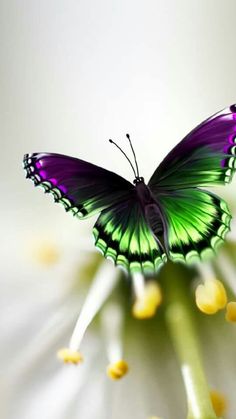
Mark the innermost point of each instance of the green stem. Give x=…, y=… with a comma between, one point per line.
x=180, y=322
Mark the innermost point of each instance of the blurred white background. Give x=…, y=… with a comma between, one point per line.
x=75, y=73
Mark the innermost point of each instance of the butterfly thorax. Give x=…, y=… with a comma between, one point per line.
x=143, y=192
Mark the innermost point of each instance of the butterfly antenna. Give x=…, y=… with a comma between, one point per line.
x=113, y=142
x=131, y=145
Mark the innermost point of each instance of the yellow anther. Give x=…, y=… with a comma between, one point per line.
x=230, y=314
x=45, y=253
x=117, y=370
x=141, y=310
x=153, y=293
x=211, y=296
x=146, y=305
x=69, y=356
x=219, y=403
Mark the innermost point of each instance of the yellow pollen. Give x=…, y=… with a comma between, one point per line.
x=46, y=253
x=117, y=370
x=69, y=356
x=211, y=296
x=230, y=314
x=219, y=403
x=146, y=305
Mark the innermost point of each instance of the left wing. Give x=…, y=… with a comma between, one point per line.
x=123, y=235
x=121, y=231
x=81, y=187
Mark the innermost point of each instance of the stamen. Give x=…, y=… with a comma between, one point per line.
x=206, y=271
x=105, y=280
x=228, y=270
x=68, y=356
x=230, y=315
x=219, y=403
x=112, y=318
x=117, y=370
x=181, y=326
x=148, y=297
x=138, y=284
x=211, y=296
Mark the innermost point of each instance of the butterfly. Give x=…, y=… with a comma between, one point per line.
x=140, y=226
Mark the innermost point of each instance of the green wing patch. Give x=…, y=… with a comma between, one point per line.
x=197, y=222
x=122, y=234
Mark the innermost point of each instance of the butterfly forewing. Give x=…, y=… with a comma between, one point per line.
x=81, y=187
x=206, y=156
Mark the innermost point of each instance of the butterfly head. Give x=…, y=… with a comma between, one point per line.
x=138, y=179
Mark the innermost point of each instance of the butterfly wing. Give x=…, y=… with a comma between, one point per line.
x=196, y=221
x=123, y=235
x=206, y=156
x=121, y=231
x=81, y=187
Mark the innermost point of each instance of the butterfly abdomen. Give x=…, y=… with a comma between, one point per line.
x=151, y=212
x=154, y=219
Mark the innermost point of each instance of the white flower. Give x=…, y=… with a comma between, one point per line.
x=42, y=303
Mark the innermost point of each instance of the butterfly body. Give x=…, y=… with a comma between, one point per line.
x=173, y=216
x=143, y=194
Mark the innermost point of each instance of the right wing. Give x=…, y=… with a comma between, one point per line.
x=206, y=156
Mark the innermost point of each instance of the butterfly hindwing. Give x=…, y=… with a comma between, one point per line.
x=81, y=187
x=123, y=235
x=196, y=223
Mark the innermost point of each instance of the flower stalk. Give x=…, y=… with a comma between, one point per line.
x=181, y=327
x=105, y=280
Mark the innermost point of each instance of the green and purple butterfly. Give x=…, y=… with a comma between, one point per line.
x=173, y=217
